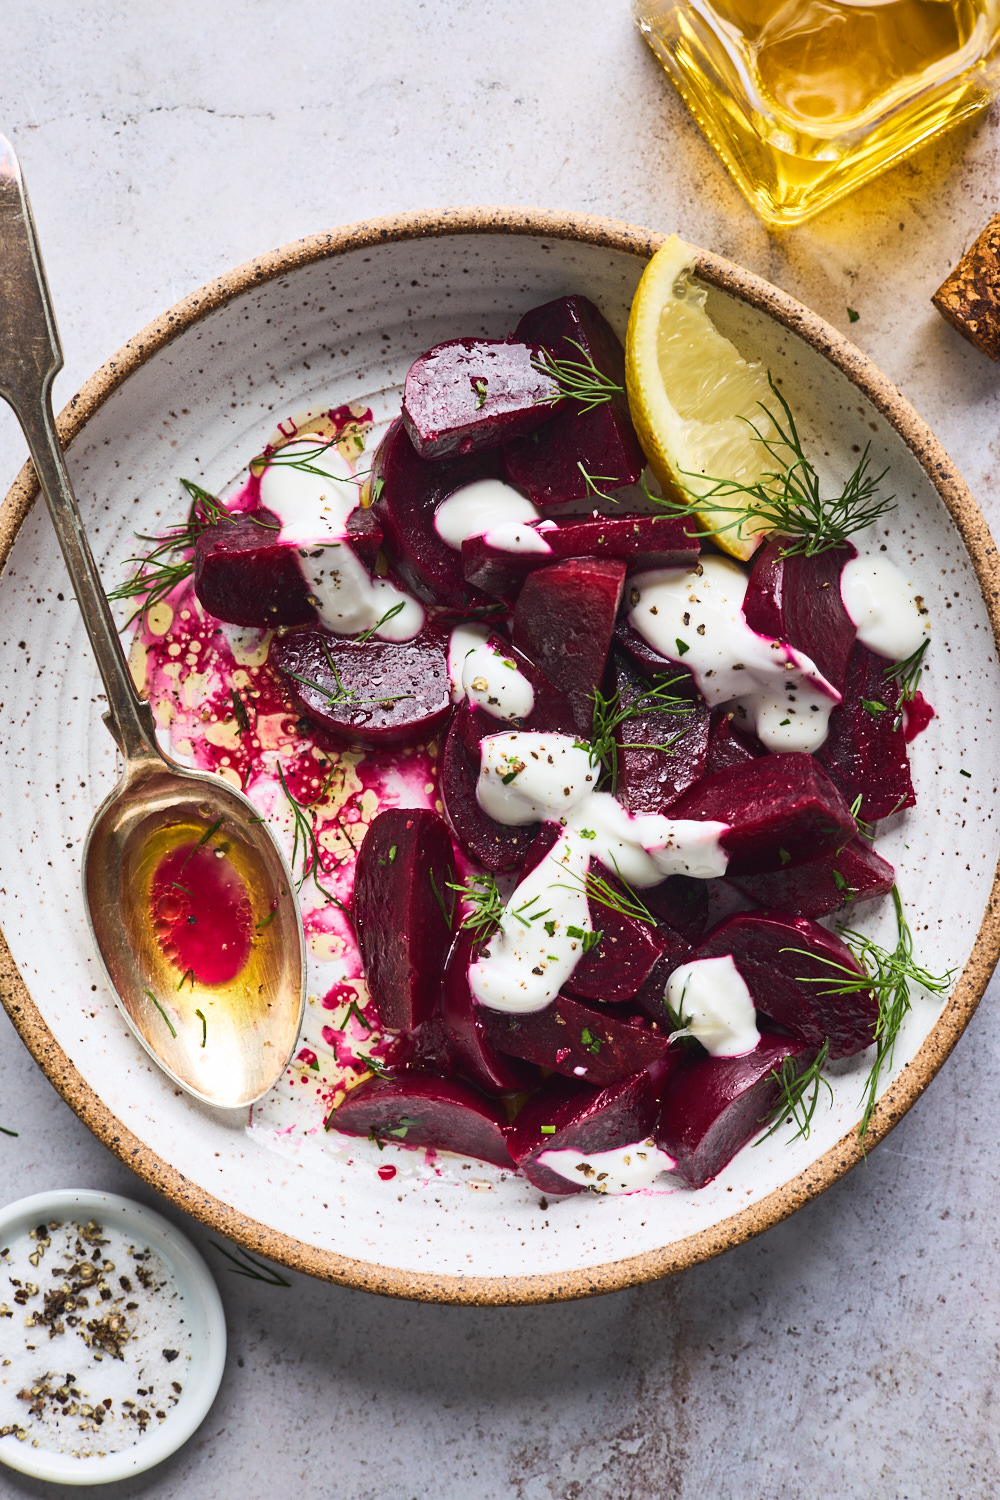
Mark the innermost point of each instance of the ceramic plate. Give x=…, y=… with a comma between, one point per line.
x=336, y=318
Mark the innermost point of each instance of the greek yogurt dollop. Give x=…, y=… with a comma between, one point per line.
x=489, y=677
x=526, y=777
x=883, y=607
x=489, y=507
x=696, y=618
x=712, y=999
x=313, y=508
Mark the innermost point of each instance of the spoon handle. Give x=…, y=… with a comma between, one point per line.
x=30, y=359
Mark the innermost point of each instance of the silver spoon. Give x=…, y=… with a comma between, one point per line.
x=189, y=898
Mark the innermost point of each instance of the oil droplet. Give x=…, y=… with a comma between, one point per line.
x=201, y=913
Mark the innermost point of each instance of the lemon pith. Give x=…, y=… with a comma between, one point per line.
x=692, y=394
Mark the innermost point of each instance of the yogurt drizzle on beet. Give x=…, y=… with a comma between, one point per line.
x=486, y=675
x=542, y=936
x=313, y=508
x=487, y=505
x=622, y=1170
x=883, y=608
x=712, y=998
x=697, y=618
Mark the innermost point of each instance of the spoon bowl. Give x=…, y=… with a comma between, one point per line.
x=188, y=895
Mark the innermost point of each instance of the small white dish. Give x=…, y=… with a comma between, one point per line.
x=203, y=1315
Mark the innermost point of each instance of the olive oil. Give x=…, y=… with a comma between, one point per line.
x=804, y=100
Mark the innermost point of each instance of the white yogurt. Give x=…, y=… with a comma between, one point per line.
x=480, y=507
x=527, y=777
x=515, y=536
x=883, y=608
x=313, y=509
x=711, y=997
x=696, y=618
x=486, y=676
x=623, y=1170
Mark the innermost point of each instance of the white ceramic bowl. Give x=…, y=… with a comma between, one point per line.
x=338, y=317
x=203, y=1313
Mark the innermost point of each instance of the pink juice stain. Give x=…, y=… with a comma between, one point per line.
x=917, y=714
x=202, y=914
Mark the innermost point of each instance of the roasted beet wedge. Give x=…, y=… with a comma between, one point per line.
x=426, y=1049
x=407, y=490
x=565, y=1116
x=640, y=655
x=823, y=885
x=371, y=694
x=244, y=575
x=549, y=464
x=494, y=845
x=797, y=600
x=405, y=865
x=712, y=1106
x=577, y=1040
x=650, y=778
x=563, y=621
x=442, y=1114
x=492, y=1071
x=792, y=967
x=618, y=966
x=639, y=541
x=681, y=904
x=865, y=750
x=728, y=745
x=781, y=809
x=471, y=394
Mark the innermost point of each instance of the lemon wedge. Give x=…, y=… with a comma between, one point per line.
x=692, y=396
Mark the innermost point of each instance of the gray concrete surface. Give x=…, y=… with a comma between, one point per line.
x=853, y=1350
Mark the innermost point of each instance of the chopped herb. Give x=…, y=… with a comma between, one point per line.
x=610, y=715
x=965, y=773
x=787, y=499
x=682, y=646
x=873, y=706
x=188, y=974
x=354, y=1009
x=784, y=856
x=240, y=712
x=792, y=1102
x=578, y=379
x=449, y=916
x=305, y=844
x=265, y=921
x=587, y=833
x=245, y=1264
x=480, y=388
x=854, y=316
x=508, y=778
x=158, y=572
x=170, y=1024
x=208, y=834
x=390, y=614
x=867, y=829
x=378, y=485
x=625, y=901
x=481, y=894
x=548, y=1129
x=392, y=853
x=5, y=1131
x=550, y=928
x=592, y=1043
x=378, y=1067
x=783, y=723
x=204, y=1027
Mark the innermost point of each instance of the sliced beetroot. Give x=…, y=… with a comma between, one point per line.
x=781, y=809
x=797, y=600
x=641, y=542
x=403, y=934
x=494, y=845
x=441, y=1114
x=712, y=1106
x=244, y=575
x=566, y=1116
x=364, y=532
x=425, y=1049
x=792, y=967
x=823, y=885
x=371, y=694
x=577, y=1040
x=728, y=744
x=650, y=779
x=470, y=394
x=550, y=464
x=865, y=749
x=406, y=491
x=618, y=966
x=681, y=904
x=563, y=621
x=639, y=653
x=492, y=1071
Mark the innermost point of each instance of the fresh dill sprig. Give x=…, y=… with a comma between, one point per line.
x=240, y=711
x=5, y=1131
x=305, y=844
x=245, y=1264
x=594, y=492
x=374, y=1064
x=204, y=1026
x=609, y=716
x=308, y=461
x=907, y=675
x=867, y=830
x=159, y=571
x=481, y=895
x=390, y=614
x=625, y=901
x=170, y=1025
x=787, y=499
x=889, y=974
x=578, y=379
x=793, y=1102
x=342, y=697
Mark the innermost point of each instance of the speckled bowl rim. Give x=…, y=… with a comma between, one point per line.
x=906, y=1089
